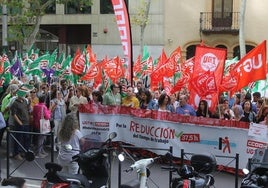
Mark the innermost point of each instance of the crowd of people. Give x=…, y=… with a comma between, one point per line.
x=24, y=104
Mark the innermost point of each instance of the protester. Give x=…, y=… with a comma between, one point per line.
x=238, y=112
x=34, y=100
x=146, y=101
x=163, y=104
x=77, y=99
x=185, y=108
x=156, y=95
x=248, y=97
x=20, y=112
x=265, y=120
x=113, y=97
x=5, y=106
x=248, y=115
x=97, y=97
x=130, y=99
x=174, y=101
x=256, y=96
x=202, y=110
x=69, y=135
x=138, y=89
x=71, y=91
x=227, y=113
x=64, y=88
x=58, y=113
x=40, y=110
x=262, y=113
x=17, y=182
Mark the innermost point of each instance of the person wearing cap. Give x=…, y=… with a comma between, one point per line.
x=20, y=112
x=11, y=91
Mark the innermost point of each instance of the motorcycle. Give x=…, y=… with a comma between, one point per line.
x=195, y=175
x=258, y=177
x=94, y=164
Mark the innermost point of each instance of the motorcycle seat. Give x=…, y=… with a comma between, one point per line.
x=69, y=177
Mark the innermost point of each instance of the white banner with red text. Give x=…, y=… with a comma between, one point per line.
x=161, y=130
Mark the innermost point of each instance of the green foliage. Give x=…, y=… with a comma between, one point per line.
x=141, y=16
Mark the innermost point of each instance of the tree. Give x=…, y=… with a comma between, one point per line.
x=142, y=19
x=25, y=18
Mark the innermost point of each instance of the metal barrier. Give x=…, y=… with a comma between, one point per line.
x=170, y=149
x=29, y=155
x=236, y=158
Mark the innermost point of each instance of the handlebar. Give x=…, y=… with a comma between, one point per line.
x=141, y=164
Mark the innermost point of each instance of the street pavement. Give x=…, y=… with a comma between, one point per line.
x=34, y=172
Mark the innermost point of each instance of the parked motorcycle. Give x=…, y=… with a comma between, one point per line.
x=195, y=175
x=258, y=177
x=94, y=164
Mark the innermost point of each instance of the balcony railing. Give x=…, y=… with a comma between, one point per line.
x=218, y=22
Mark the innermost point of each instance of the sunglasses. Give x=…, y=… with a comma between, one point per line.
x=32, y=92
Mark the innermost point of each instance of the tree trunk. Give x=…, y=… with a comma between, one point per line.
x=32, y=37
x=143, y=26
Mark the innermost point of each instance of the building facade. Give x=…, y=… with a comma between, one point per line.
x=172, y=23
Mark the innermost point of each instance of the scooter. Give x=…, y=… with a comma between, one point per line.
x=93, y=161
x=143, y=172
x=195, y=175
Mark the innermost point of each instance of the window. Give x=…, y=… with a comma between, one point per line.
x=77, y=8
x=106, y=7
x=222, y=13
x=190, y=51
x=236, y=51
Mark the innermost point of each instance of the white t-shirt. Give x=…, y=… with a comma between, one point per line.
x=65, y=156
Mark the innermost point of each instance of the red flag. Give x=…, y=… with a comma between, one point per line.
x=137, y=66
x=204, y=84
x=161, y=60
x=78, y=63
x=114, y=69
x=186, y=71
x=208, y=59
x=167, y=85
x=171, y=65
x=157, y=75
x=92, y=57
x=92, y=72
x=147, y=66
x=251, y=67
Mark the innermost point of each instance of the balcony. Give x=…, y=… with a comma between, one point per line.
x=219, y=22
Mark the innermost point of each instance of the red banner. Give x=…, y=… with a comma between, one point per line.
x=122, y=20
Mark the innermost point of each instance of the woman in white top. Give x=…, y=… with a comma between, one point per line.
x=69, y=135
